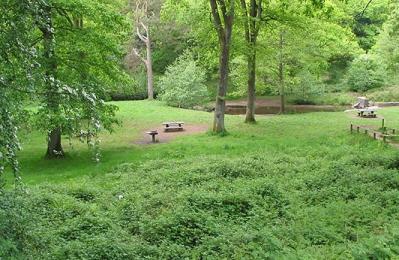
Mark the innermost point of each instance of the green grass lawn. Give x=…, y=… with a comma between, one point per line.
x=289, y=187
x=277, y=132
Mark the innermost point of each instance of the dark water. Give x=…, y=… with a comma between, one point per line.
x=264, y=110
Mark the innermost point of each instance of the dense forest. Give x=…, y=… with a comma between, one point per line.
x=68, y=67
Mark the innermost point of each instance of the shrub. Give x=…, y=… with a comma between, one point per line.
x=389, y=94
x=269, y=205
x=364, y=74
x=136, y=89
x=183, y=84
x=305, y=88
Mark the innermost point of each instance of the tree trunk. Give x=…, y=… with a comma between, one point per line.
x=281, y=74
x=224, y=30
x=150, y=76
x=54, y=147
x=250, y=115
x=220, y=108
x=141, y=12
x=252, y=19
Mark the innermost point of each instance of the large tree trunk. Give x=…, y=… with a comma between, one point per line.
x=220, y=108
x=250, y=115
x=54, y=147
x=224, y=30
x=150, y=76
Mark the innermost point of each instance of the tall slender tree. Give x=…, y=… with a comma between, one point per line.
x=223, y=19
x=281, y=71
x=141, y=14
x=252, y=14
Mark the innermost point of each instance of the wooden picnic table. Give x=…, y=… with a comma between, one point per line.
x=367, y=112
x=175, y=126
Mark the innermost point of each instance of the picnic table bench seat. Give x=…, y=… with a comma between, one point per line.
x=173, y=126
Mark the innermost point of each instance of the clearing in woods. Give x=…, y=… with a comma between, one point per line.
x=290, y=186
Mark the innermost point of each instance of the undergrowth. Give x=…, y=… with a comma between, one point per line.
x=254, y=206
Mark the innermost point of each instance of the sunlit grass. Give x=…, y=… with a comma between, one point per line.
x=314, y=132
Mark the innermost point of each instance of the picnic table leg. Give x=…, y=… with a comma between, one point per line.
x=153, y=138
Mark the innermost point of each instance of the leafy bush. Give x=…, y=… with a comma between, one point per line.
x=389, y=94
x=254, y=206
x=365, y=73
x=183, y=84
x=136, y=89
x=305, y=87
x=336, y=99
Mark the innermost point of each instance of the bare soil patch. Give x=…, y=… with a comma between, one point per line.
x=164, y=137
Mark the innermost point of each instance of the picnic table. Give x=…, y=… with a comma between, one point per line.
x=173, y=126
x=367, y=112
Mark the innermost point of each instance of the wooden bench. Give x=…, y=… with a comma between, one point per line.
x=153, y=134
x=173, y=126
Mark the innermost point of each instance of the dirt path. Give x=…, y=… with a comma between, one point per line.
x=164, y=137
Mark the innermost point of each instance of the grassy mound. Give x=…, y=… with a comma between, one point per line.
x=274, y=205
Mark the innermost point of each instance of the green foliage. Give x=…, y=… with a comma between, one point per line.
x=183, y=84
x=365, y=73
x=387, y=94
x=136, y=89
x=367, y=25
x=255, y=206
x=336, y=98
x=79, y=62
x=239, y=78
x=386, y=48
x=17, y=61
x=62, y=54
x=306, y=87
x=290, y=186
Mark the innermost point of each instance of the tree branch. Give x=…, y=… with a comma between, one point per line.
x=142, y=37
x=137, y=54
x=216, y=20
x=259, y=17
x=246, y=25
x=359, y=15
x=64, y=13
